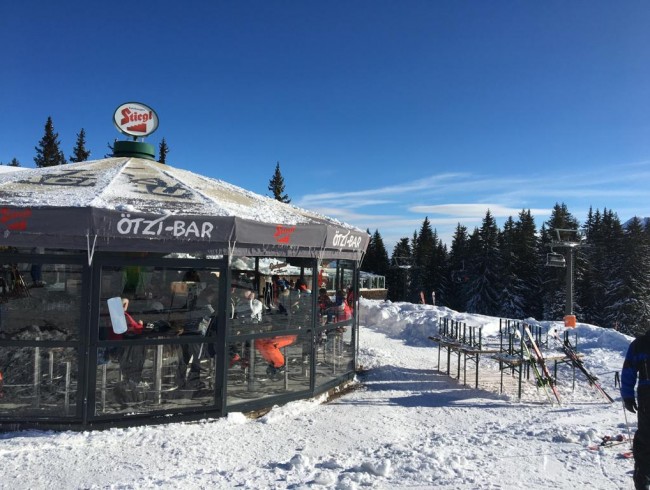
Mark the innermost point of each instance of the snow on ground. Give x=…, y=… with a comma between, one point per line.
x=407, y=425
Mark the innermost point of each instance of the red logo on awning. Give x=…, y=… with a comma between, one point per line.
x=283, y=233
x=15, y=220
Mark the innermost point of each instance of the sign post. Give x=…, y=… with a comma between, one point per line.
x=136, y=120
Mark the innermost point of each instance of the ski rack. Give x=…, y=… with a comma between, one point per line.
x=512, y=356
x=466, y=341
x=455, y=337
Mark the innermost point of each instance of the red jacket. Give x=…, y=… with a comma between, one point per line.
x=132, y=327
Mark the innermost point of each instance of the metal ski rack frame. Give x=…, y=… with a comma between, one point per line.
x=512, y=354
x=466, y=341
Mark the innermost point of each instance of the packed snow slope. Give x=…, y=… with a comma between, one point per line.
x=406, y=425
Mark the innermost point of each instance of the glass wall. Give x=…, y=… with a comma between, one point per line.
x=168, y=334
x=337, y=305
x=270, y=327
x=40, y=318
x=157, y=333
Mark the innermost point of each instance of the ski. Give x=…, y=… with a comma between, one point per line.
x=542, y=363
x=572, y=354
x=598, y=447
x=539, y=377
x=609, y=441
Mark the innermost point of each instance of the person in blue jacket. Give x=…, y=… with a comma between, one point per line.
x=637, y=365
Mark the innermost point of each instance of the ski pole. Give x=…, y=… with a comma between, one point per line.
x=629, y=433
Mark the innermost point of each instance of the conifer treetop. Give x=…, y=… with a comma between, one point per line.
x=163, y=149
x=276, y=186
x=48, y=152
x=79, y=152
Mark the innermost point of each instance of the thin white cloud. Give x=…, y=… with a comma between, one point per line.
x=345, y=214
x=343, y=201
x=473, y=210
x=425, y=184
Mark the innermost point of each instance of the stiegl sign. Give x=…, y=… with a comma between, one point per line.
x=135, y=119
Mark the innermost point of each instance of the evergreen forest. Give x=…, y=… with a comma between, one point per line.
x=520, y=271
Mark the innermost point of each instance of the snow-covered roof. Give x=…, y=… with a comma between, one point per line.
x=147, y=202
x=9, y=169
x=146, y=186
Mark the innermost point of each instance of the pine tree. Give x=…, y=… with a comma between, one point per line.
x=368, y=262
x=528, y=263
x=399, y=275
x=111, y=148
x=79, y=152
x=163, y=149
x=401, y=252
x=14, y=162
x=276, y=185
x=376, y=258
x=614, y=269
x=484, y=288
x=438, y=268
x=424, y=244
x=458, y=272
x=48, y=153
x=511, y=295
x=472, y=267
x=519, y=254
x=599, y=268
x=383, y=263
x=632, y=307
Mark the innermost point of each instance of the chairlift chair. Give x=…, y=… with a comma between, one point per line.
x=554, y=259
x=459, y=276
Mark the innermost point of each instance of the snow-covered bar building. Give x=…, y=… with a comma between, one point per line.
x=225, y=307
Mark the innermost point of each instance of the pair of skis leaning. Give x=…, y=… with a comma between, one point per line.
x=540, y=369
x=573, y=356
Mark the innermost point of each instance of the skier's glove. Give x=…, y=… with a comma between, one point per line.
x=630, y=405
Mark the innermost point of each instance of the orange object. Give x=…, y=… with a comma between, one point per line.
x=270, y=348
x=570, y=321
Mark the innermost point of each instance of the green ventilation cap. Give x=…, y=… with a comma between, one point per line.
x=135, y=149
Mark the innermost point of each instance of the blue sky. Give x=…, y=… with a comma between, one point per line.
x=379, y=112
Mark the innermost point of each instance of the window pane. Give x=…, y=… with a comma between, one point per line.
x=334, y=353
x=268, y=366
x=38, y=381
x=152, y=303
x=158, y=302
x=336, y=308
x=145, y=378
x=340, y=273
x=269, y=299
x=40, y=301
